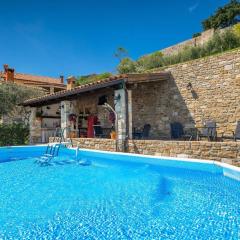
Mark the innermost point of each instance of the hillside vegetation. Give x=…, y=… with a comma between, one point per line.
x=92, y=78
x=220, y=42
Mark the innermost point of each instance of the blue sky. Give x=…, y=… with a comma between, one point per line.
x=70, y=37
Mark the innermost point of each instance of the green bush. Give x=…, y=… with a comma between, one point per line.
x=126, y=66
x=92, y=77
x=13, y=134
x=196, y=35
x=150, y=61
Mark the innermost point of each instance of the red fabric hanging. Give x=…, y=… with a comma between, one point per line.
x=92, y=120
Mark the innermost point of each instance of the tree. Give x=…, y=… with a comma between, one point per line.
x=121, y=53
x=224, y=16
x=11, y=95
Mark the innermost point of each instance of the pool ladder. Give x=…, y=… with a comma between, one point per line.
x=53, y=148
x=81, y=161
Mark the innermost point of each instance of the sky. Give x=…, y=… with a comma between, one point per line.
x=70, y=37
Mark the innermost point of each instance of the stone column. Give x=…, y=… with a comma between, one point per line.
x=51, y=90
x=121, y=110
x=35, y=127
x=65, y=111
x=130, y=126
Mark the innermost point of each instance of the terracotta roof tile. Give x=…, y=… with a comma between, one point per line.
x=34, y=78
x=23, y=76
x=129, y=78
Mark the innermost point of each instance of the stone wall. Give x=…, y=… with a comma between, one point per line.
x=215, y=95
x=150, y=105
x=94, y=143
x=198, y=41
x=228, y=152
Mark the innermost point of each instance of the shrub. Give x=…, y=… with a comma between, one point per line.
x=150, y=61
x=236, y=30
x=126, y=66
x=196, y=35
x=13, y=134
x=92, y=77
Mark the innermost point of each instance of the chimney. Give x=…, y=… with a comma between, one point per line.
x=62, y=79
x=5, y=66
x=9, y=73
x=71, y=82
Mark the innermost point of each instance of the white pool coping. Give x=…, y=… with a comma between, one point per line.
x=228, y=170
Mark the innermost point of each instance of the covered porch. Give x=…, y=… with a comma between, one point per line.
x=103, y=109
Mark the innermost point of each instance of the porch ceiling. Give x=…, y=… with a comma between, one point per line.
x=108, y=82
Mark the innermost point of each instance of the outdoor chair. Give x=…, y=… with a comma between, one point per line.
x=144, y=134
x=146, y=131
x=98, y=131
x=176, y=130
x=190, y=134
x=235, y=135
x=209, y=131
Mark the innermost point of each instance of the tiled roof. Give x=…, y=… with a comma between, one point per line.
x=111, y=81
x=34, y=78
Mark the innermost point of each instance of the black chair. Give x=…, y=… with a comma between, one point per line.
x=144, y=133
x=235, y=135
x=209, y=131
x=190, y=134
x=176, y=130
x=98, y=131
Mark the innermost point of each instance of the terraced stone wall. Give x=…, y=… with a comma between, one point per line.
x=228, y=152
x=199, y=90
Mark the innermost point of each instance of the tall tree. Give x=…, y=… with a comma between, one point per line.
x=224, y=16
x=121, y=53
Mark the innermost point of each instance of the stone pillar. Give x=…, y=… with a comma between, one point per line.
x=130, y=126
x=51, y=90
x=121, y=110
x=65, y=111
x=35, y=127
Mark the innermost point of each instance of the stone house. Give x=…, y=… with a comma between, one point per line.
x=47, y=83
x=42, y=83
x=189, y=93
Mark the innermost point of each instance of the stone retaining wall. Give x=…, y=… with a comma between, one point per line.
x=198, y=91
x=228, y=152
x=95, y=143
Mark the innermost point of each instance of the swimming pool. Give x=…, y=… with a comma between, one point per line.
x=118, y=196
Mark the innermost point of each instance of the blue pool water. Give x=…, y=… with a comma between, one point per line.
x=116, y=197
